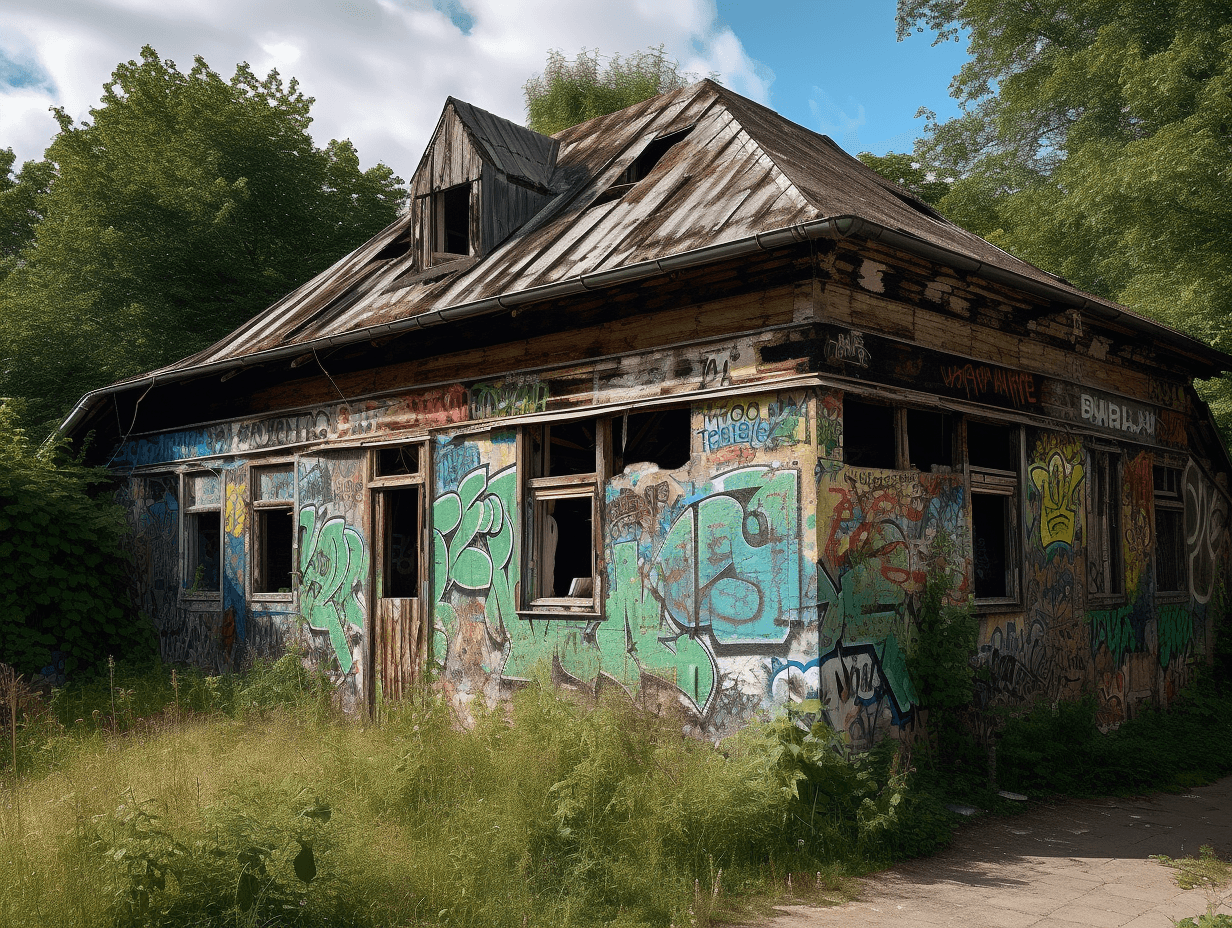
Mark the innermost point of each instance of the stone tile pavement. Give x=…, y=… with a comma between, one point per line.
x=1059, y=865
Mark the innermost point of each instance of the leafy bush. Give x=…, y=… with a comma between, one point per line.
x=62, y=583
x=1058, y=749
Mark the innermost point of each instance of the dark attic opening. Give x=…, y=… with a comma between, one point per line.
x=451, y=216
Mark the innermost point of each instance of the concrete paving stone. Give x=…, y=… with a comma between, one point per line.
x=1093, y=916
x=1031, y=903
x=1076, y=863
x=1127, y=905
x=1146, y=893
x=1150, y=920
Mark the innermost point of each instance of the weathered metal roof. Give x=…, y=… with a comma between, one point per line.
x=740, y=172
x=516, y=150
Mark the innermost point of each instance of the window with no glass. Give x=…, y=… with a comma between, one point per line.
x=203, y=533
x=1171, y=574
x=562, y=492
x=1105, y=573
x=398, y=483
x=273, y=529
x=451, y=221
x=892, y=437
x=994, y=462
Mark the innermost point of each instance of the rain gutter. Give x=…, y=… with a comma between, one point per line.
x=836, y=227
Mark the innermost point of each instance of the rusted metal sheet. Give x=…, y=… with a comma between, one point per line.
x=742, y=171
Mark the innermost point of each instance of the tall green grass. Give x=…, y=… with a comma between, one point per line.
x=251, y=803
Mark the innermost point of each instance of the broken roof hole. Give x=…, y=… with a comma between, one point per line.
x=642, y=165
x=395, y=249
x=651, y=155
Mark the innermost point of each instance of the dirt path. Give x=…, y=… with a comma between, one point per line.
x=1059, y=865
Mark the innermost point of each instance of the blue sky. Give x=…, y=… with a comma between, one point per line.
x=838, y=68
x=380, y=69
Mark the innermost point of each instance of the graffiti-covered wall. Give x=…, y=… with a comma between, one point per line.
x=332, y=559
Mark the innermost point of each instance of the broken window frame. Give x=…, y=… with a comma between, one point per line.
x=989, y=481
x=190, y=512
x=900, y=417
x=438, y=233
x=258, y=565
x=381, y=486
x=537, y=492
x=1105, y=558
x=1170, y=505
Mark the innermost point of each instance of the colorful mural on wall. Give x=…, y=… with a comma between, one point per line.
x=880, y=534
x=333, y=566
x=1041, y=652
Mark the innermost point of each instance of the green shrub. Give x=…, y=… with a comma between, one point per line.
x=63, y=582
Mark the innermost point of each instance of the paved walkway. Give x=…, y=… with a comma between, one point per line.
x=1058, y=865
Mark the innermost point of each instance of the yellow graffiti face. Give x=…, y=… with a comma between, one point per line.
x=1057, y=481
x=236, y=512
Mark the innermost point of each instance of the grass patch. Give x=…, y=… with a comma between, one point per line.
x=248, y=802
x=1205, y=872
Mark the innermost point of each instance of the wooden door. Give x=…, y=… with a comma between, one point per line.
x=401, y=617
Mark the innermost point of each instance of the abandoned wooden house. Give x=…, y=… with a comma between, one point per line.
x=684, y=401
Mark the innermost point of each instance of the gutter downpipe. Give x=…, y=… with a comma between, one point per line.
x=835, y=227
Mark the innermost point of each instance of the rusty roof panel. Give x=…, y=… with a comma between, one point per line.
x=743, y=170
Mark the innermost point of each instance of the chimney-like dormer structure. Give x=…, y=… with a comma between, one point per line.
x=480, y=178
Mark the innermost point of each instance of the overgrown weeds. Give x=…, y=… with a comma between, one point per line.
x=1059, y=749
x=253, y=805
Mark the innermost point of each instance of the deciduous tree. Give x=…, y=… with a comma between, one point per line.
x=1096, y=142
x=185, y=205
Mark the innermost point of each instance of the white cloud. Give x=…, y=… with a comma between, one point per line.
x=834, y=121
x=379, y=69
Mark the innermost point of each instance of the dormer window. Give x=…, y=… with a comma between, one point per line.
x=451, y=221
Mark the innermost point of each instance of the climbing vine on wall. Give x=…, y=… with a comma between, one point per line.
x=63, y=604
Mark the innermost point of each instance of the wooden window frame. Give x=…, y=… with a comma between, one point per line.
x=378, y=485
x=534, y=491
x=996, y=482
x=1105, y=559
x=188, y=513
x=256, y=559
x=1173, y=503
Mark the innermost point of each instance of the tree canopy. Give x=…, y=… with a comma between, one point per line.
x=185, y=205
x=1096, y=142
x=570, y=92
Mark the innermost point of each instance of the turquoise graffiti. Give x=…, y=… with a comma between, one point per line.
x=731, y=561
x=333, y=564
x=473, y=543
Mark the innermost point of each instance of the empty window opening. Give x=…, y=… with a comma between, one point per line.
x=990, y=528
x=398, y=461
x=990, y=446
x=660, y=438
x=204, y=549
x=571, y=448
x=275, y=535
x=567, y=555
x=401, y=534
x=203, y=533
x=1105, y=574
x=868, y=434
x=451, y=218
x=1171, y=575
x=930, y=440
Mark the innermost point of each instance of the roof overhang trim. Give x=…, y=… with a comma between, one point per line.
x=834, y=227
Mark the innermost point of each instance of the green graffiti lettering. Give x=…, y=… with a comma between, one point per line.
x=333, y=565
